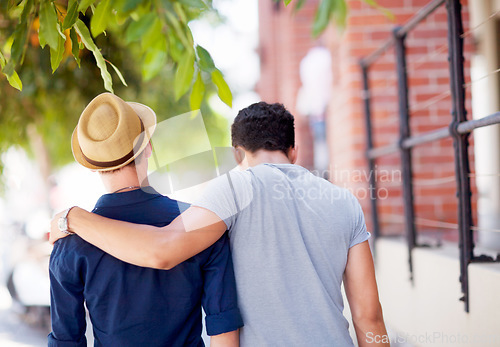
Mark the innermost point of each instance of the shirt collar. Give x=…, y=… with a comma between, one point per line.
x=127, y=198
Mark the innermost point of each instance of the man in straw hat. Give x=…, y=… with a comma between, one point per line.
x=131, y=305
x=295, y=239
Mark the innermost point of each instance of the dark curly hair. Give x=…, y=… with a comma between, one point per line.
x=264, y=126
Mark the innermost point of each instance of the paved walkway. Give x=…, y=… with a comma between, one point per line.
x=14, y=330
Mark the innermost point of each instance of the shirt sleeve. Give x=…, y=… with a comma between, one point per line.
x=66, y=301
x=359, y=232
x=227, y=195
x=219, y=291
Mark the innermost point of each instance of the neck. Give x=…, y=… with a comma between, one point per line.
x=127, y=177
x=263, y=157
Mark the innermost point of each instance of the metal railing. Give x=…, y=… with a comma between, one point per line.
x=458, y=129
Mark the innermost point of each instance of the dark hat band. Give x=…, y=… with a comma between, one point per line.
x=106, y=164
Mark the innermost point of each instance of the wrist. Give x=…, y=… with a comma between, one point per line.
x=73, y=219
x=63, y=222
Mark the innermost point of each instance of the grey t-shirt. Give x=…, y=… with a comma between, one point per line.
x=290, y=232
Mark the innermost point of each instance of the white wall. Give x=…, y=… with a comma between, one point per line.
x=429, y=313
x=486, y=101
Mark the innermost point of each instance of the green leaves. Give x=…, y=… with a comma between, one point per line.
x=222, y=88
x=339, y=13
x=56, y=55
x=322, y=17
x=72, y=14
x=15, y=81
x=13, y=78
x=160, y=27
x=184, y=75
x=75, y=46
x=137, y=29
x=51, y=34
x=299, y=4
x=194, y=3
x=197, y=93
x=120, y=76
x=206, y=62
x=128, y=5
x=19, y=38
x=286, y=2
x=17, y=49
x=48, y=24
x=26, y=11
x=2, y=60
x=328, y=9
x=153, y=62
x=178, y=29
x=336, y=10
x=102, y=14
x=84, y=33
x=84, y=4
x=153, y=37
x=148, y=30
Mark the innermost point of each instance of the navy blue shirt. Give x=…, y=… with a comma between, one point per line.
x=134, y=306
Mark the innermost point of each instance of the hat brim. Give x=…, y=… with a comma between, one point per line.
x=148, y=117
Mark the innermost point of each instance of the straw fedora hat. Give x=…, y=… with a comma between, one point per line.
x=111, y=132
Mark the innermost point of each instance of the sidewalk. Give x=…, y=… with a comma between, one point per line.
x=14, y=332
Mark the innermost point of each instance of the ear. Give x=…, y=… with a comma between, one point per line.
x=239, y=154
x=148, y=150
x=293, y=153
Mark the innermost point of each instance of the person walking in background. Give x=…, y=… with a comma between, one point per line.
x=131, y=305
x=295, y=238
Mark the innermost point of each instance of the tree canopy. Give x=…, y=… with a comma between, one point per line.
x=161, y=26
x=61, y=53
x=69, y=27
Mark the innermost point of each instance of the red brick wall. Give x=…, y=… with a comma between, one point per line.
x=285, y=40
x=430, y=103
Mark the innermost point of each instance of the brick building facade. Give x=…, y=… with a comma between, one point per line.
x=285, y=38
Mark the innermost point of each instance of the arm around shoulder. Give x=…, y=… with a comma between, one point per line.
x=362, y=294
x=145, y=245
x=192, y=232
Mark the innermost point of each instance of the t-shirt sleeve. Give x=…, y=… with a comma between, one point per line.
x=359, y=232
x=227, y=195
x=219, y=291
